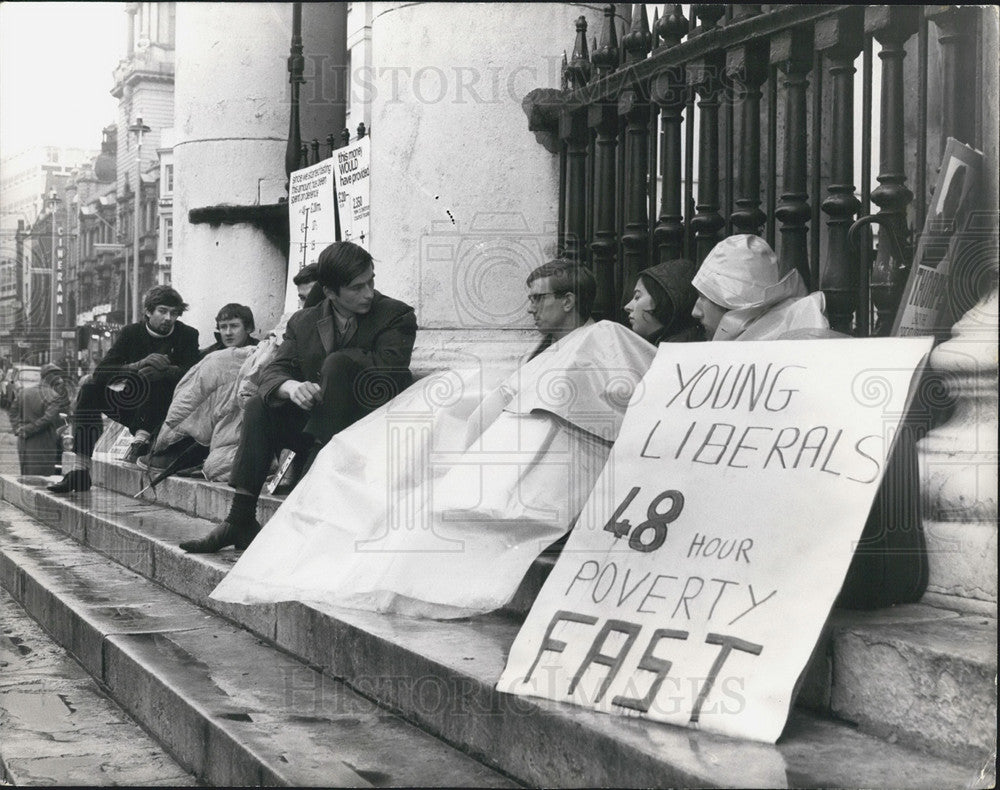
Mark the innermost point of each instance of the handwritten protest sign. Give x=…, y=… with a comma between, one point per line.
x=311, y=220
x=353, y=174
x=702, y=569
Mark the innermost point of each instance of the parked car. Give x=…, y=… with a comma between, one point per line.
x=16, y=379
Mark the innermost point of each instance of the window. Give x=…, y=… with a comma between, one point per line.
x=168, y=179
x=168, y=24
x=168, y=233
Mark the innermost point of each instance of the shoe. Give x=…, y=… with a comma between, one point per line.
x=226, y=534
x=136, y=450
x=310, y=459
x=77, y=480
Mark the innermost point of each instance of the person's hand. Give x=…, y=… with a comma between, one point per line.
x=304, y=394
x=21, y=433
x=157, y=361
x=151, y=373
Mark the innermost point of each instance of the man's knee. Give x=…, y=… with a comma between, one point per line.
x=338, y=366
x=91, y=398
x=336, y=378
x=255, y=411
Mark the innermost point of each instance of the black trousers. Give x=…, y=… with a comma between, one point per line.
x=347, y=393
x=141, y=405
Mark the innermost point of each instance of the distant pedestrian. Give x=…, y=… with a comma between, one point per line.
x=35, y=418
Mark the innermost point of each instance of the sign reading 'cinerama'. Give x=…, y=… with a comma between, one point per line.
x=702, y=569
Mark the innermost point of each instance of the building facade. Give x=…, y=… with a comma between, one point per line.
x=144, y=87
x=27, y=178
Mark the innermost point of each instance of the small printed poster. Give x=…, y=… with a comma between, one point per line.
x=353, y=175
x=311, y=220
x=699, y=576
x=923, y=306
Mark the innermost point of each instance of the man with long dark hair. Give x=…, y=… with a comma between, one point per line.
x=134, y=383
x=339, y=360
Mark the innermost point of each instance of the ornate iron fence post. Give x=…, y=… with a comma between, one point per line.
x=840, y=40
x=792, y=52
x=891, y=26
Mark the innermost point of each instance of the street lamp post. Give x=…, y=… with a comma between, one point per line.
x=52, y=203
x=138, y=129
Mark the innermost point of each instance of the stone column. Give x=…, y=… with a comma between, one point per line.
x=231, y=124
x=464, y=199
x=958, y=469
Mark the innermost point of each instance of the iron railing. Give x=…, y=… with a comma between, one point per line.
x=770, y=91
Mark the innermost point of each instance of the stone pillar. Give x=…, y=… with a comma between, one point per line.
x=231, y=124
x=958, y=469
x=464, y=199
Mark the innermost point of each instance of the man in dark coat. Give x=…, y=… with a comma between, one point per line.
x=134, y=383
x=35, y=418
x=338, y=361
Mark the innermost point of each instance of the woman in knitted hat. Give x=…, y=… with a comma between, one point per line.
x=660, y=309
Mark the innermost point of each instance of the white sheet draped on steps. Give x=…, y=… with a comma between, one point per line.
x=436, y=504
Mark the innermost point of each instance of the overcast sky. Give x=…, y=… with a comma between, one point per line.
x=56, y=61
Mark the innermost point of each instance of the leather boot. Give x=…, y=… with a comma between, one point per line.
x=76, y=480
x=225, y=534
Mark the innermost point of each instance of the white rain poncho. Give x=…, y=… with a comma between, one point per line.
x=741, y=274
x=437, y=503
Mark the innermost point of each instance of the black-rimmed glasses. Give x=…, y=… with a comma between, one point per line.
x=535, y=299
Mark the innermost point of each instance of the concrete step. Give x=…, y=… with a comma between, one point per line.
x=442, y=676
x=58, y=727
x=231, y=708
x=843, y=680
x=208, y=500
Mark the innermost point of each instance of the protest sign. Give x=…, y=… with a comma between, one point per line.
x=353, y=174
x=311, y=220
x=922, y=308
x=702, y=569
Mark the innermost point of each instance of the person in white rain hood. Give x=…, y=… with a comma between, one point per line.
x=743, y=295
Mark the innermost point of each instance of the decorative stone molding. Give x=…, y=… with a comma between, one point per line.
x=958, y=468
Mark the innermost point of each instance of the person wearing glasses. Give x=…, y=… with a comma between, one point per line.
x=436, y=504
x=560, y=298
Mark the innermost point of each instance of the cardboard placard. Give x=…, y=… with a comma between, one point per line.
x=700, y=573
x=922, y=308
x=353, y=176
x=311, y=220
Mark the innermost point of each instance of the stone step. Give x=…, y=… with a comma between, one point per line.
x=208, y=500
x=58, y=727
x=442, y=676
x=231, y=708
x=913, y=674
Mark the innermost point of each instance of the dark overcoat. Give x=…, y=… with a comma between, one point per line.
x=382, y=345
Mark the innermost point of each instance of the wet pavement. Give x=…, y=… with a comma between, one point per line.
x=56, y=725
